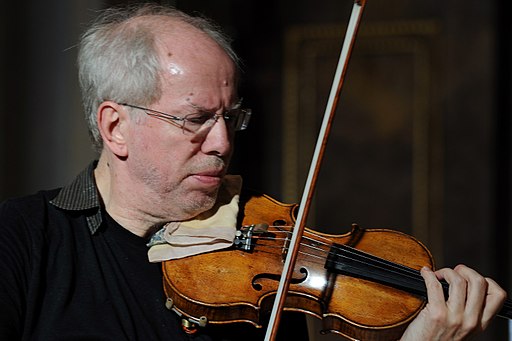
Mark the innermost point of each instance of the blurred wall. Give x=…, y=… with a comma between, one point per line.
x=44, y=139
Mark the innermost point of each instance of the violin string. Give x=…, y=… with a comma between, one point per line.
x=311, y=247
x=409, y=278
x=367, y=259
x=355, y=255
x=279, y=227
x=307, y=245
x=390, y=267
x=392, y=274
x=354, y=251
x=329, y=243
x=347, y=248
x=320, y=257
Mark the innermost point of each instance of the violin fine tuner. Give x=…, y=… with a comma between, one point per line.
x=243, y=236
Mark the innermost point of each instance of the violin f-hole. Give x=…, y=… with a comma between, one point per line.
x=274, y=277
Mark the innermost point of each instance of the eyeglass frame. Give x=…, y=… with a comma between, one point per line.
x=241, y=120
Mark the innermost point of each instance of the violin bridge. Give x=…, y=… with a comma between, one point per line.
x=243, y=237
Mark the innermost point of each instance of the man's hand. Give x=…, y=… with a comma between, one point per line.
x=472, y=303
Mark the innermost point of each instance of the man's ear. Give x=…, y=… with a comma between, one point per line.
x=113, y=122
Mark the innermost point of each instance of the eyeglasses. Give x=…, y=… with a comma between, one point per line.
x=236, y=119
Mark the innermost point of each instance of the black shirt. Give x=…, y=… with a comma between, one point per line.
x=70, y=272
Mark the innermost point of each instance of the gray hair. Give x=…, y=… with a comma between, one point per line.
x=117, y=60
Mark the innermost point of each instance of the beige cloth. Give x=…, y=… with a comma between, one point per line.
x=212, y=230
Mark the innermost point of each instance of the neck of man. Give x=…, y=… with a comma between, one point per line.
x=121, y=207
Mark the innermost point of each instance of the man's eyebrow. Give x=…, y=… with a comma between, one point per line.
x=237, y=105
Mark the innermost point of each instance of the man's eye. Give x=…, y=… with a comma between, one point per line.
x=198, y=119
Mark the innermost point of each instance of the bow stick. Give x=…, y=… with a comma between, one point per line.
x=350, y=35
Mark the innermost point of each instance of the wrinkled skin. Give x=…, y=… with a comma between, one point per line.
x=472, y=303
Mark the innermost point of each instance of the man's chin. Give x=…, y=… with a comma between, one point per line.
x=200, y=202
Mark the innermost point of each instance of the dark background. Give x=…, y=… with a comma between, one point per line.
x=421, y=142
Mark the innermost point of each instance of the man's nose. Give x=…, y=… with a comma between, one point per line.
x=218, y=139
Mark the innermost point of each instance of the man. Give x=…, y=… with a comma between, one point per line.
x=160, y=97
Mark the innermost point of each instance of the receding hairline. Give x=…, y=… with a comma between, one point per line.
x=151, y=21
x=175, y=25
x=120, y=56
x=162, y=25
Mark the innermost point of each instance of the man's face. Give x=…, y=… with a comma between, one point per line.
x=180, y=173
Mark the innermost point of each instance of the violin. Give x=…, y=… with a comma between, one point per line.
x=364, y=284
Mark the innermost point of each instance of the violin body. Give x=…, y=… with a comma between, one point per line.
x=239, y=285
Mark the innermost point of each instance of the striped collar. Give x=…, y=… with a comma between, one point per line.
x=82, y=195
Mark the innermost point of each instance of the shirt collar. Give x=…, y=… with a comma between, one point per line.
x=82, y=195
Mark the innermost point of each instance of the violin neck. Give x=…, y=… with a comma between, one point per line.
x=349, y=261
